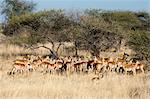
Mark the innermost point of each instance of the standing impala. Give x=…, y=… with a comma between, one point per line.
x=21, y=65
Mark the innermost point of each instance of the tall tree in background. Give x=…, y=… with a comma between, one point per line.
x=11, y=8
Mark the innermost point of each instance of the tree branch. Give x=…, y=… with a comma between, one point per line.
x=60, y=43
x=54, y=54
x=50, y=41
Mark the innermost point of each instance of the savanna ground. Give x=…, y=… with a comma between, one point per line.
x=76, y=86
x=93, y=31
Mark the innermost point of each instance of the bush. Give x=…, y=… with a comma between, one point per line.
x=140, y=42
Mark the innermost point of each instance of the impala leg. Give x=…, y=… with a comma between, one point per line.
x=28, y=71
x=134, y=71
x=126, y=72
x=121, y=70
x=80, y=69
x=12, y=71
x=22, y=71
x=142, y=69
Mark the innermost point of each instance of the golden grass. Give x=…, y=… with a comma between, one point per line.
x=47, y=86
x=7, y=50
x=39, y=86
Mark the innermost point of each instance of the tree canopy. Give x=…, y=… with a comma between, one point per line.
x=10, y=8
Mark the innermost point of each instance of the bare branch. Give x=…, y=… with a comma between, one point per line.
x=60, y=43
x=50, y=41
x=54, y=54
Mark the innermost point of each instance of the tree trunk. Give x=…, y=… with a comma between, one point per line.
x=54, y=54
x=58, y=47
x=76, y=49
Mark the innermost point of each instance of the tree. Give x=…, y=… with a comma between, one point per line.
x=54, y=29
x=96, y=35
x=139, y=41
x=16, y=7
x=30, y=29
x=26, y=21
x=96, y=40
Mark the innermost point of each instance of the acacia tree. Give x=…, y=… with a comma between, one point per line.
x=96, y=40
x=139, y=41
x=95, y=35
x=54, y=28
x=75, y=29
x=11, y=8
x=46, y=26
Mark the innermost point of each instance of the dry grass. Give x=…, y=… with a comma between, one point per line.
x=7, y=50
x=74, y=87
x=39, y=86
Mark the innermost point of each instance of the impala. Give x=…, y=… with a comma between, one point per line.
x=18, y=67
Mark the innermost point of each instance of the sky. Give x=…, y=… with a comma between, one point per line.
x=132, y=5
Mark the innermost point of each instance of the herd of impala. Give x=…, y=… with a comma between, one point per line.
x=70, y=65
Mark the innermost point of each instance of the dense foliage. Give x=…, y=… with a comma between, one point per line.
x=11, y=8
